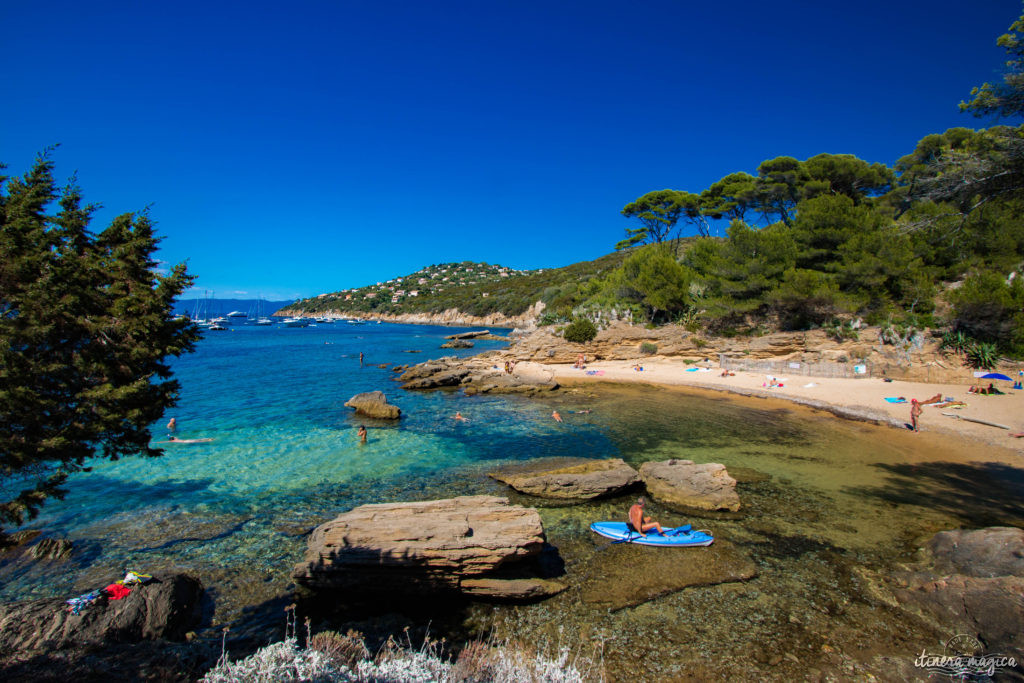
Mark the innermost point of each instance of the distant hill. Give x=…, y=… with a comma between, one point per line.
x=472, y=288
x=218, y=307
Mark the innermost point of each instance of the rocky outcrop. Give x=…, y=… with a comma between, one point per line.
x=374, y=404
x=479, y=375
x=457, y=344
x=167, y=608
x=581, y=480
x=683, y=483
x=973, y=581
x=469, y=335
x=628, y=575
x=456, y=544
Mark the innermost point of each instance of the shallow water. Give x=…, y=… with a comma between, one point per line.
x=823, y=499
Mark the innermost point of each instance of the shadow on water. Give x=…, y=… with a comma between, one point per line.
x=199, y=539
x=978, y=494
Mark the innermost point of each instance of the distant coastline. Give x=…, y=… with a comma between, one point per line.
x=451, y=317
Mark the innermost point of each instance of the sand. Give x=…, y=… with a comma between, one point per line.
x=862, y=398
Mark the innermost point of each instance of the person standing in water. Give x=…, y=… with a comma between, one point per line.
x=362, y=434
x=360, y=358
x=172, y=425
x=915, y=412
x=556, y=416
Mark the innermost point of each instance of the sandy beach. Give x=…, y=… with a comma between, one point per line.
x=862, y=398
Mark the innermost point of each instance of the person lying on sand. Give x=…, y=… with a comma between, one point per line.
x=937, y=398
x=726, y=373
x=1017, y=434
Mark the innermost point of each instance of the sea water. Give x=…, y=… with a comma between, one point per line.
x=829, y=506
x=283, y=454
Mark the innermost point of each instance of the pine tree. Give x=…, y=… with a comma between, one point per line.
x=85, y=331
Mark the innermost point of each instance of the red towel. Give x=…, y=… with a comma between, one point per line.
x=116, y=591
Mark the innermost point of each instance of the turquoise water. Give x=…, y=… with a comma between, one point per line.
x=284, y=454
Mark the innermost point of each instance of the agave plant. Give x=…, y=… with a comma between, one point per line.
x=982, y=355
x=958, y=342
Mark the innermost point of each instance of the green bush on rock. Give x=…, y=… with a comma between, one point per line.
x=580, y=331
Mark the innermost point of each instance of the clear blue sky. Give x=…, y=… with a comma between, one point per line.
x=303, y=147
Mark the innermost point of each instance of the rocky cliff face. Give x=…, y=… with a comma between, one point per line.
x=453, y=317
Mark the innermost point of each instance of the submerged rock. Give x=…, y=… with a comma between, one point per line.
x=374, y=404
x=972, y=581
x=455, y=544
x=579, y=481
x=684, y=483
x=625, y=575
x=167, y=608
x=51, y=549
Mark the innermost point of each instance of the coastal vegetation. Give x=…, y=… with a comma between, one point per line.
x=85, y=331
x=935, y=241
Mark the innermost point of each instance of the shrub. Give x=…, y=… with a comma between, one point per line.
x=580, y=331
x=648, y=348
x=982, y=355
x=341, y=650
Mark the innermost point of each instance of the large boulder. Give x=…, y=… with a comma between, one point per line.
x=456, y=544
x=683, y=483
x=166, y=608
x=578, y=480
x=971, y=581
x=374, y=404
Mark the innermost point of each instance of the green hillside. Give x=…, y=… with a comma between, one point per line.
x=473, y=288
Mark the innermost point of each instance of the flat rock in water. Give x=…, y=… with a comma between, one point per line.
x=989, y=552
x=457, y=344
x=625, y=575
x=374, y=404
x=167, y=608
x=581, y=480
x=410, y=547
x=685, y=484
x=51, y=549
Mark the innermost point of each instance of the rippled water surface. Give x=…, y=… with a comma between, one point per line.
x=822, y=500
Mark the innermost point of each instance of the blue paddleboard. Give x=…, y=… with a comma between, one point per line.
x=679, y=537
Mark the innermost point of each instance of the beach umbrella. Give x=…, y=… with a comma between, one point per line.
x=997, y=375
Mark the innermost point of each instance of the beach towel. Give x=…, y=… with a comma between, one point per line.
x=595, y=372
x=809, y=385
x=896, y=399
x=692, y=369
x=116, y=591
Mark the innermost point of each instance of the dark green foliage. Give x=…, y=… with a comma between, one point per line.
x=657, y=212
x=982, y=355
x=648, y=348
x=989, y=309
x=85, y=329
x=580, y=331
x=652, y=277
x=956, y=341
x=1006, y=98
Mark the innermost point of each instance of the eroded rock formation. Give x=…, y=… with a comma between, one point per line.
x=580, y=480
x=374, y=404
x=167, y=608
x=683, y=483
x=456, y=544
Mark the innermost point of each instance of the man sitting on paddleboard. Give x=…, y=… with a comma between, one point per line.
x=638, y=522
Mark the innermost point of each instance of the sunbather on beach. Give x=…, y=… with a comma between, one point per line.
x=937, y=398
